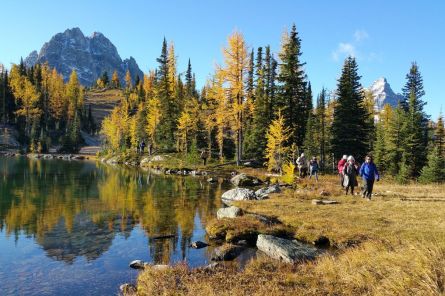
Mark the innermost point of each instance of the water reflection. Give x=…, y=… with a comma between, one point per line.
x=76, y=209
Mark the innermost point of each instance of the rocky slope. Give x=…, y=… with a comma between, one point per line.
x=383, y=94
x=90, y=56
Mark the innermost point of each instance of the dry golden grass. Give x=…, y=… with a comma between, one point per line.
x=392, y=245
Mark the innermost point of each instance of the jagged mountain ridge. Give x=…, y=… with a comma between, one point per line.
x=89, y=56
x=383, y=94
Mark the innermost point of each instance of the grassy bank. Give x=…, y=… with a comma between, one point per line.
x=392, y=245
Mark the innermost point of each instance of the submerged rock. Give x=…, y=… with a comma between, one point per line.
x=289, y=251
x=264, y=192
x=138, y=264
x=229, y=212
x=239, y=194
x=198, y=245
x=245, y=180
x=227, y=252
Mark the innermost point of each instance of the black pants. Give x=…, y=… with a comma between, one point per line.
x=367, y=187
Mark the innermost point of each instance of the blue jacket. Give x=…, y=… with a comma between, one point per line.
x=368, y=171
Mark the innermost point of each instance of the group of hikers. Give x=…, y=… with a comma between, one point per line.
x=348, y=169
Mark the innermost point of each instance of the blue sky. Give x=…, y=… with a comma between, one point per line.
x=385, y=36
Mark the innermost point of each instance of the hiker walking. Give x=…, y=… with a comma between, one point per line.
x=313, y=168
x=369, y=173
x=350, y=171
x=340, y=167
x=204, y=156
x=302, y=166
x=141, y=147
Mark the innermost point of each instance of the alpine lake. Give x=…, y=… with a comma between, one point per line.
x=72, y=227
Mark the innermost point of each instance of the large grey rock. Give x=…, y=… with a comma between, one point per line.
x=229, y=212
x=138, y=264
x=324, y=202
x=227, y=252
x=289, y=251
x=91, y=56
x=245, y=180
x=264, y=192
x=238, y=194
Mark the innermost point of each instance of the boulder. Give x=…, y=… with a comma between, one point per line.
x=239, y=194
x=289, y=251
x=138, y=264
x=198, y=245
x=245, y=180
x=157, y=158
x=229, y=212
x=128, y=289
x=264, y=192
x=226, y=252
x=324, y=202
x=144, y=162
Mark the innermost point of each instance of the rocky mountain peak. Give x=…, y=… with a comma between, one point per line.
x=383, y=94
x=89, y=56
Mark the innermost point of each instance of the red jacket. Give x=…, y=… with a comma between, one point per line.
x=341, y=165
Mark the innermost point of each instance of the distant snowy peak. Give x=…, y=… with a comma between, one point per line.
x=383, y=94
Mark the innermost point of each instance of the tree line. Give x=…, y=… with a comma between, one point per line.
x=258, y=105
x=45, y=110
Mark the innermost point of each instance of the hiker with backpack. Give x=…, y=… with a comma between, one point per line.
x=313, y=168
x=369, y=173
x=340, y=166
x=350, y=172
x=302, y=166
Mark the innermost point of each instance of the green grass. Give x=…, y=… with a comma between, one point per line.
x=392, y=245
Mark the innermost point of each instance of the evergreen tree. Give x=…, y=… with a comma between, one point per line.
x=321, y=125
x=167, y=125
x=105, y=79
x=439, y=135
x=350, y=126
x=434, y=171
x=413, y=145
x=189, y=87
x=292, y=87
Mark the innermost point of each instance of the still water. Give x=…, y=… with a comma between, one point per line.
x=71, y=228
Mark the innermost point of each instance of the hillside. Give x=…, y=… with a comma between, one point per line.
x=102, y=102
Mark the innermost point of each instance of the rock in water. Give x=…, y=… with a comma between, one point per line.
x=245, y=180
x=128, y=289
x=264, y=192
x=229, y=212
x=138, y=264
x=198, y=245
x=289, y=251
x=239, y=194
x=227, y=252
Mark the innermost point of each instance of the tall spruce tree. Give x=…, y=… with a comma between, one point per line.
x=292, y=87
x=350, y=126
x=320, y=113
x=166, y=127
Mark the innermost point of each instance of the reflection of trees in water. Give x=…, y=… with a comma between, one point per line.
x=85, y=238
x=82, y=202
